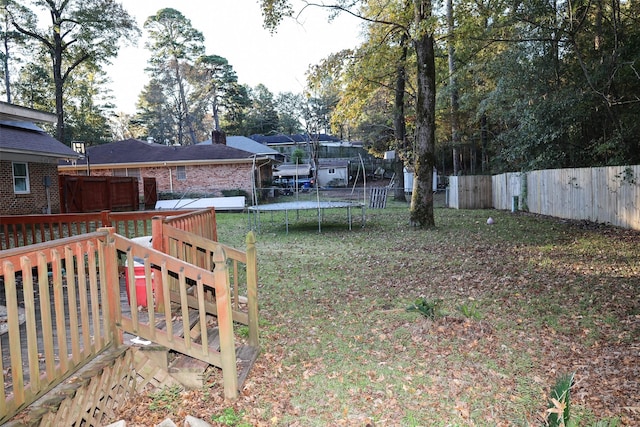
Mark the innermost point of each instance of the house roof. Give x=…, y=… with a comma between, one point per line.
x=293, y=170
x=16, y=112
x=332, y=163
x=26, y=138
x=136, y=151
x=246, y=144
x=295, y=138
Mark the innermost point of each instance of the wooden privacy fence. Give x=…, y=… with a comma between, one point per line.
x=469, y=192
x=507, y=190
x=95, y=193
x=22, y=230
x=604, y=194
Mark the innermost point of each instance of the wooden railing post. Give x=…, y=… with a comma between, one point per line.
x=112, y=278
x=158, y=243
x=225, y=325
x=214, y=225
x=252, y=289
x=105, y=218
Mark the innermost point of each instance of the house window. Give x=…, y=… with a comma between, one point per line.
x=127, y=172
x=331, y=171
x=21, y=178
x=181, y=173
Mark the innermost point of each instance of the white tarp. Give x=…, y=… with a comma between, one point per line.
x=220, y=203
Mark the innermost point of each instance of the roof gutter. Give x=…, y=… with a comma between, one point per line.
x=162, y=164
x=16, y=112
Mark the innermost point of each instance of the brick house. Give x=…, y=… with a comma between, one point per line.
x=28, y=162
x=204, y=169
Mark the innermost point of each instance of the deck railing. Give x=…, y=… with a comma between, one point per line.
x=57, y=315
x=199, y=292
x=240, y=265
x=63, y=299
x=201, y=222
x=22, y=230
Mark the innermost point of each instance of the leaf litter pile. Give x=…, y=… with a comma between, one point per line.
x=465, y=324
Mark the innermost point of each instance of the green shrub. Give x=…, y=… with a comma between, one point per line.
x=166, y=398
x=229, y=417
x=429, y=309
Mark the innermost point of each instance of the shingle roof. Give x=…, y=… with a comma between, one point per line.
x=295, y=138
x=25, y=137
x=136, y=151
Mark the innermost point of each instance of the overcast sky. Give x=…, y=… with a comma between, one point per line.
x=233, y=30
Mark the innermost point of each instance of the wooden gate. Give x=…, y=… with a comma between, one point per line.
x=150, y=193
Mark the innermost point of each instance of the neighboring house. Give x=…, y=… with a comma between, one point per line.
x=247, y=144
x=333, y=172
x=327, y=146
x=205, y=169
x=288, y=174
x=29, y=162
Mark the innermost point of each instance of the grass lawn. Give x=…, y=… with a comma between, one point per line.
x=514, y=306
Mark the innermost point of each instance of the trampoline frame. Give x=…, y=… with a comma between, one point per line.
x=303, y=205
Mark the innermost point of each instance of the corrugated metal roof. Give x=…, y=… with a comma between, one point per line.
x=293, y=170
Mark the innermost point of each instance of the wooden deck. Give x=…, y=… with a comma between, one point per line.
x=245, y=354
x=72, y=293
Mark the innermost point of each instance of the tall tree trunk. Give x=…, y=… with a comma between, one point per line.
x=185, y=106
x=5, y=61
x=400, y=127
x=58, y=82
x=422, y=197
x=485, y=142
x=453, y=89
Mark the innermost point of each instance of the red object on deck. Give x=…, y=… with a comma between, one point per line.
x=140, y=279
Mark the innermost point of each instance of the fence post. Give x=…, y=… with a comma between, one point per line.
x=252, y=289
x=225, y=324
x=110, y=256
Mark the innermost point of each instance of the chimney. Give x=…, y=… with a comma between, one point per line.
x=218, y=137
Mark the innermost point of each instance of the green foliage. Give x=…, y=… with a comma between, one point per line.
x=262, y=117
x=559, y=406
x=165, y=399
x=81, y=32
x=470, y=310
x=297, y=156
x=429, y=309
x=229, y=417
x=242, y=331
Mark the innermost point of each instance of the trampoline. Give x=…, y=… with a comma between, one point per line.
x=304, y=205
